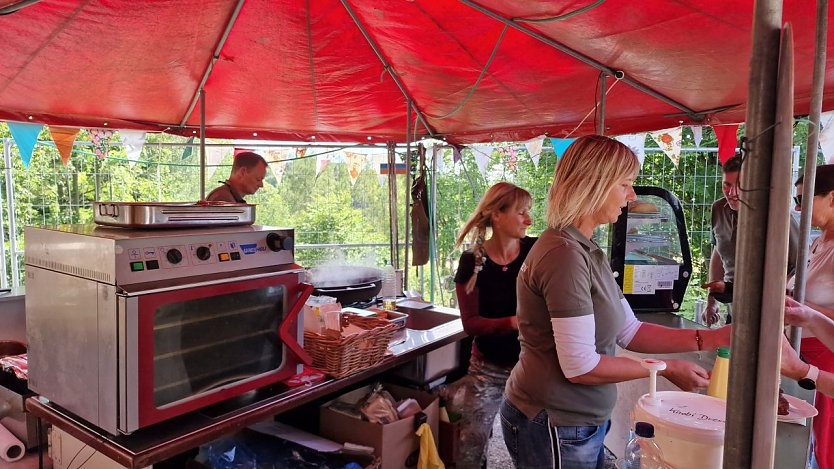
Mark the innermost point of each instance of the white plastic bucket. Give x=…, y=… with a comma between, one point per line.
x=688, y=428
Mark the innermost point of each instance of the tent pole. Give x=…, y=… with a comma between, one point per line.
x=810, y=174
x=202, y=144
x=393, y=217
x=215, y=56
x=754, y=375
x=390, y=69
x=408, y=125
x=694, y=115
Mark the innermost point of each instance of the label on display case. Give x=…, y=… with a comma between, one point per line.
x=646, y=279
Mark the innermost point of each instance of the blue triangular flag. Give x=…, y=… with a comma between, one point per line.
x=26, y=136
x=560, y=145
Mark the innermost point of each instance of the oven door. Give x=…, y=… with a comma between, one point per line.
x=188, y=347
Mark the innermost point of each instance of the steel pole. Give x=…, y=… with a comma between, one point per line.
x=810, y=174
x=746, y=395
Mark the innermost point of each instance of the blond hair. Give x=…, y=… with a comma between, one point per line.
x=584, y=177
x=499, y=198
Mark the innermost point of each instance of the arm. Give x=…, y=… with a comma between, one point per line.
x=716, y=274
x=808, y=316
x=793, y=367
x=473, y=323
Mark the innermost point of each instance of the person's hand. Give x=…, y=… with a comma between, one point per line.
x=791, y=365
x=797, y=314
x=514, y=322
x=685, y=374
x=717, y=286
x=712, y=313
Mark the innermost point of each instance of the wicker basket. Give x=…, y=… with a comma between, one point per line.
x=340, y=356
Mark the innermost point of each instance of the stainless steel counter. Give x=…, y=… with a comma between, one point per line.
x=791, y=439
x=161, y=441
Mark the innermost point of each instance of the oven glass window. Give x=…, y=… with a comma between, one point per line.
x=203, y=343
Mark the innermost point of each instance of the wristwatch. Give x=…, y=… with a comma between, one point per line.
x=809, y=381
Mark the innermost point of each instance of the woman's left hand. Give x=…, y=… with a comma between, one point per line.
x=686, y=375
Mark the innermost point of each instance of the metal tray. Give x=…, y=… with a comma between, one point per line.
x=172, y=214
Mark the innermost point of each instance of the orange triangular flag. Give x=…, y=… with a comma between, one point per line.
x=64, y=137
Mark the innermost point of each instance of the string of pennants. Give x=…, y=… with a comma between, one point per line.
x=25, y=135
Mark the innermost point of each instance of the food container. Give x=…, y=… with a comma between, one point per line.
x=172, y=214
x=688, y=427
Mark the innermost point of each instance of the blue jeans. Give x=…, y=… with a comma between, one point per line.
x=533, y=443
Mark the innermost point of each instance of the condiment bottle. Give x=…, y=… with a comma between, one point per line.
x=720, y=373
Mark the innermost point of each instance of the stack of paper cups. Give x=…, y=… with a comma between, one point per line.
x=11, y=449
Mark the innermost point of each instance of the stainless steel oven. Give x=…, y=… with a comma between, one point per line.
x=127, y=328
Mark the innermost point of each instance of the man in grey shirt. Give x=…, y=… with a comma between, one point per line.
x=723, y=256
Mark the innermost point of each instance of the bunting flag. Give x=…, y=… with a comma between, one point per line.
x=188, y=150
x=215, y=155
x=508, y=155
x=534, y=149
x=482, y=155
x=669, y=140
x=727, y=136
x=276, y=161
x=25, y=135
x=354, y=165
x=300, y=152
x=399, y=168
x=64, y=137
x=560, y=145
x=437, y=152
x=455, y=154
x=101, y=141
x=241, y=150
x=698, y=134
x=827, y=135
x=637, y=144
x=321, y=162
x=134, y=141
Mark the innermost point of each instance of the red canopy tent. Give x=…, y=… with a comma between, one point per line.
x=331, y=70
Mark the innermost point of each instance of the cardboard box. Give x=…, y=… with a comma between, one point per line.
x=392, y=443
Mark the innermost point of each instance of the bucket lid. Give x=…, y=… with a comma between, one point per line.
x=695, y=415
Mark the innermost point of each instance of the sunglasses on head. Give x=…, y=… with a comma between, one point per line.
x=798, y=198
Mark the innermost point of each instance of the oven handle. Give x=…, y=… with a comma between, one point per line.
x=284, y=329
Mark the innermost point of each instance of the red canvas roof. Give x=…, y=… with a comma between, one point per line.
x=290, y=69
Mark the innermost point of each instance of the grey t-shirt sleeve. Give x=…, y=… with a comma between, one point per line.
x=565, y=282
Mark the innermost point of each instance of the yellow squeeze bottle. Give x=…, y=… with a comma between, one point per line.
x=720, y=371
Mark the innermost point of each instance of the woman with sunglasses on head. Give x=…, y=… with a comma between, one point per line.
x=819, y=295
x=572, y=314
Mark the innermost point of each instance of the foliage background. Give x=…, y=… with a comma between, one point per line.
x=327, y=209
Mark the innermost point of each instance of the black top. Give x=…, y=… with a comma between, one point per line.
x=496, y=299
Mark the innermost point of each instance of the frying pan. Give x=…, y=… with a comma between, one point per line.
x=347, y=283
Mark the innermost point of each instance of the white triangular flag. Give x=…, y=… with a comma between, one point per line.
x=698, y=134
x=637, y=143
x=669, y=140
x=482, y=155
x=133, y=141
x=534, y=148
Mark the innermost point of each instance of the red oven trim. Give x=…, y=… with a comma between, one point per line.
x=297, y=295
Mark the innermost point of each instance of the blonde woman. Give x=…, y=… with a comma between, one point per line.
x=485, y=285
x=571, y=313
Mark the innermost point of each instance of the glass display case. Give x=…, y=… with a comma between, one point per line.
x=649, y=251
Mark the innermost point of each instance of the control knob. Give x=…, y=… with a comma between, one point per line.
x=174, y=256
x=203, y=253
x=276, y=242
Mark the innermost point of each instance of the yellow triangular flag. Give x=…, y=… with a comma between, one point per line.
x=63, y=137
